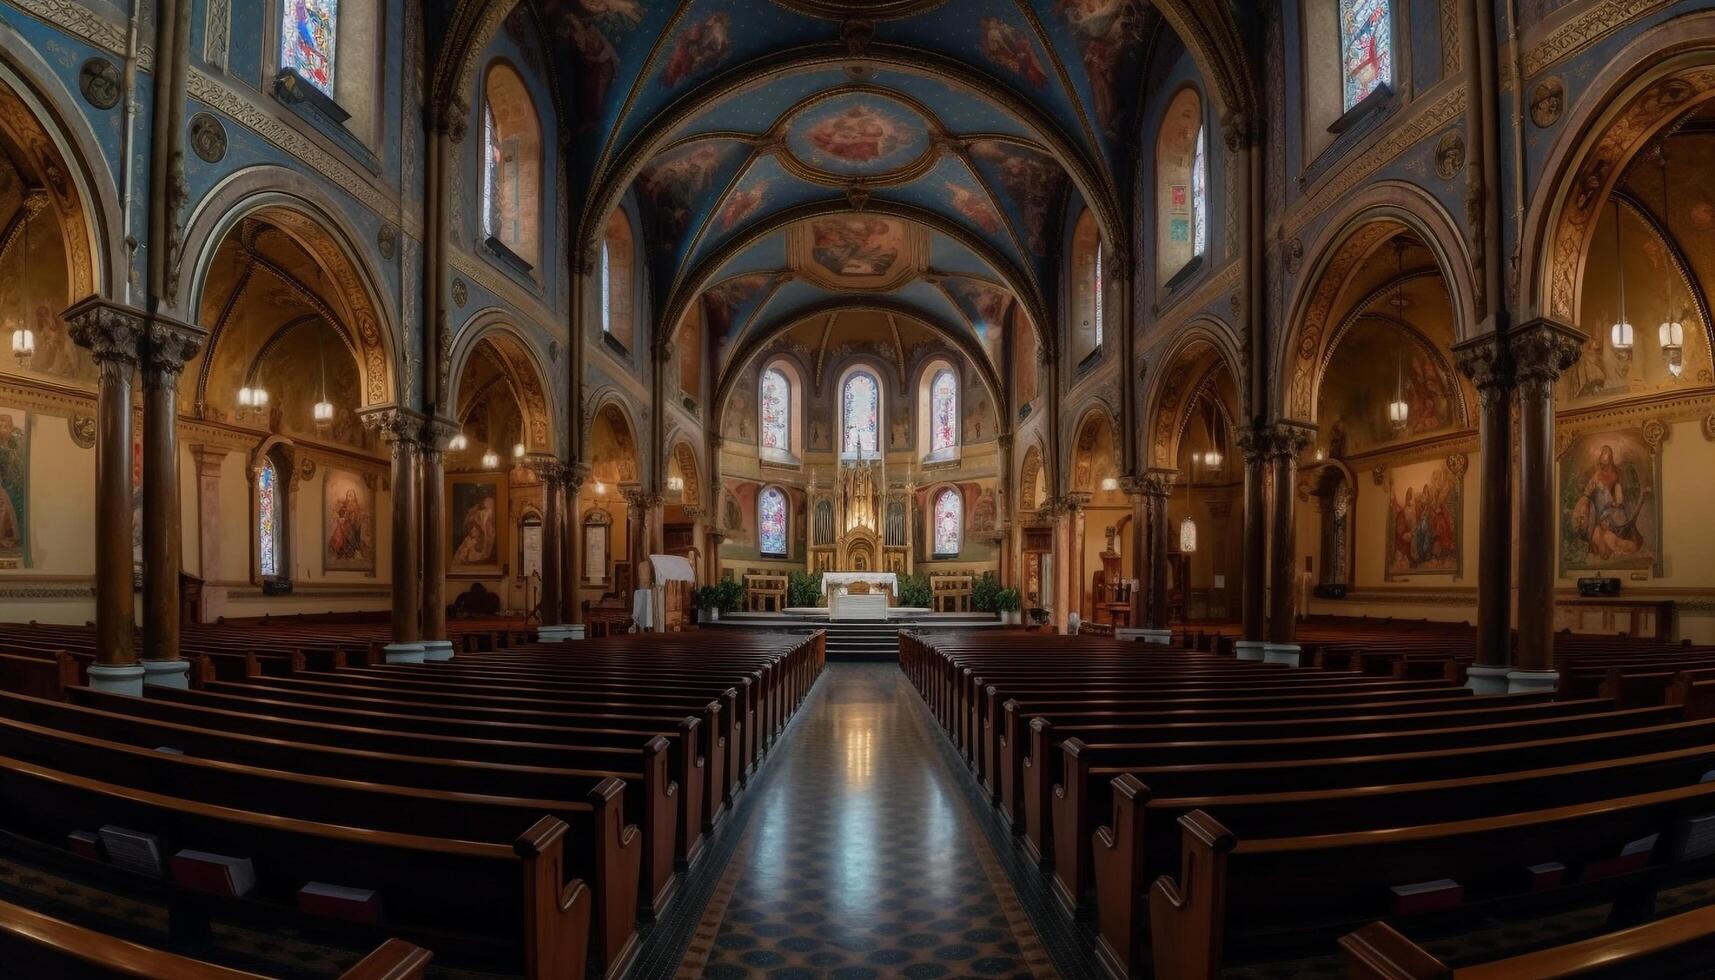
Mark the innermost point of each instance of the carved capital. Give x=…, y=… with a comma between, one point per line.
x=1253, y=442
x=1236, y=131
x=1287, y=439
x=456, y=120
x=112, y=333
x=575, y=474
x=437, y=430
x=547, y=468
x=1540, y=351
x=1485, y=361
x=401, y=428
x=168, y=345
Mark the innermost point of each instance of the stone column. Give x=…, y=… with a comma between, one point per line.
x=1540, y=350
x=1253, y=442
x=1077, y=514
x=208, y=460
x=167, y=346
x=1149, y=544
x=1287, y=441
x=402, y=430
x=572, y=551
x=113, y=335
x=436, y=431
x=1484, y=360
x=553, y=485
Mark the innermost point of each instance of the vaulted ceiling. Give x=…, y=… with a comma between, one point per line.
x=776, y=150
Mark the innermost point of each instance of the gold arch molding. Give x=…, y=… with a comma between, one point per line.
x=493, y=333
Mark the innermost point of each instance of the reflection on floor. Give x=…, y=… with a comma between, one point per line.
x=861, y=858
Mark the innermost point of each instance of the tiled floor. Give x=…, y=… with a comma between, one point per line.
x=861, y=858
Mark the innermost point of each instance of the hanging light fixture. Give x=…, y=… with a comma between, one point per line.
x=458, y=443
x=322, y=411
x=518, y=450
x=1110, y=483
x=1671, y=333
x=676, y=483
x=1188, y=524
x=23, y=338
x=1398, y=412
x=490, y=460
x=252, y=402
x=600, y=489
x=1621, y=336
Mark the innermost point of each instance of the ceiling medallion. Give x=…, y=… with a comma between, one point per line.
x=858, y=135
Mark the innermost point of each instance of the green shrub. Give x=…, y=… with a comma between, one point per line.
x=983, y=592
x=804, y=589
x=914, y=591
x=1007, y=600
x=730, y=592
x=706, y=597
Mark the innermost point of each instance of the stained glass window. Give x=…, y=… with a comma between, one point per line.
x=1200, y=193
x=1366, y=48
x=606, y=289
x=861, y=415
x=943, y=414
x=774, y=411
x=308, y=35
x=491, y=204
x=949, y=513
x=1096, y=297
x=268, y=521
x=771, y=522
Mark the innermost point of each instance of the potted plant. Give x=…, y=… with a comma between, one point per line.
x=914, y=591
x=983, y=593
x=1006, y=602
x=707, y=599
x=730, y=592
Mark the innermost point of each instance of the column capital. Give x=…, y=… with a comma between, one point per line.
x=436, y=431
x=547, y=468
x=1287, y=439
x=576, y=472
x=112, y=332
x=398, y=426
x=1540, y=350
x=1485, y=360
x=1155, y=482
x=168, y=345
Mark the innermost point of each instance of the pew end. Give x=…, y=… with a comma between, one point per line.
x=619, y=869
x=556, y=911
x=1117, y=862
x=394, y=959
x=1187, y=918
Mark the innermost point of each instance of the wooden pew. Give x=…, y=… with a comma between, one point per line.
x=1672, y=946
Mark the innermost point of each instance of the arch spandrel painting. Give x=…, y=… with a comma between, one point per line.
x=1610, y=503
x=33, y=284
x=1369, y=367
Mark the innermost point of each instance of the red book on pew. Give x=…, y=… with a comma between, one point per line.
x=1545, y=876
x=1633, y=857
x=84, y=843
x=1427, y=896
x=216, y=874
x=340, y=902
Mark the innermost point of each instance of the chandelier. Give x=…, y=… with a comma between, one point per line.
x=1621, y=335
x=23, y=338
x=458, y=443
x=490, y=460
x=1398, y=412
x=1672, y=330
x=252, y=402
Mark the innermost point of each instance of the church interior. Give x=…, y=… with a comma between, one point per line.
x=857, y=488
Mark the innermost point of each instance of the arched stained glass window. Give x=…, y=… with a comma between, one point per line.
x=511, y=163
x=860, y=415
x=771, y=522
x=309, y=39
x=1366, y=48
x=1097, y=297
x=943, y=414
x=774, y=411
x=268, y=521
x=1200, y=193
x=949, y=518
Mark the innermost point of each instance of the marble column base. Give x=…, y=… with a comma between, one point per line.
x=117, y=679
x=403, y=653
x=1487, y=680
x=1531, y=681
x=1249, y=649
x=1157, y=637
x=435, y=650
x=561, y=633
x=1281, y=653
x=167, y=673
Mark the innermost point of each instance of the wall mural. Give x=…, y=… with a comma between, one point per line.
x=473, y=524
x=1370, y=365
x=14, y=488
x=1034, y=183
x=348, y=523
x=675, y=184
x=856, y=246
x=700, y=46
x=1425, y=512
x=1007, y=47
x=1610, y=503
x=1106, y=32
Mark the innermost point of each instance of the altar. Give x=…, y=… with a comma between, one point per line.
x=841, y=582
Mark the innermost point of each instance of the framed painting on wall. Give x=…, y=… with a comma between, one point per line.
x=1610, y=503
x=14, y=488
x=348, y=523
x=1425, y=519
x=475, y=517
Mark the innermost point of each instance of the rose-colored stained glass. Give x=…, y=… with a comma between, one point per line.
x=771, y=522
x=862, y=408
x=1366, y=48
x=943, y=413
x=308, y=39
x=775, y=411
x=949, y=515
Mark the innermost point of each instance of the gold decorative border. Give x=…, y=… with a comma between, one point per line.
x=527, y=304
x=1583, y=30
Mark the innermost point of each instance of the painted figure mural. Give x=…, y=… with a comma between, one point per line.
x=348, y=523
x=1610, y=503
x=856, y=246
x=1425, y=513
x=1007, y=47
x=14, y=489
x=475, y=524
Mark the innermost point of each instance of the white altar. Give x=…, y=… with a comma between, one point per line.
x=840, y=582
x=845, y=606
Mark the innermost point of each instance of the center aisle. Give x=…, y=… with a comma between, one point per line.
x=861, y=858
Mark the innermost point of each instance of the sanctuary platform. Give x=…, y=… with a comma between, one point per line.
x=859, y=640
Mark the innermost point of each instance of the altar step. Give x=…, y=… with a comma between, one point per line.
x=860, y=641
